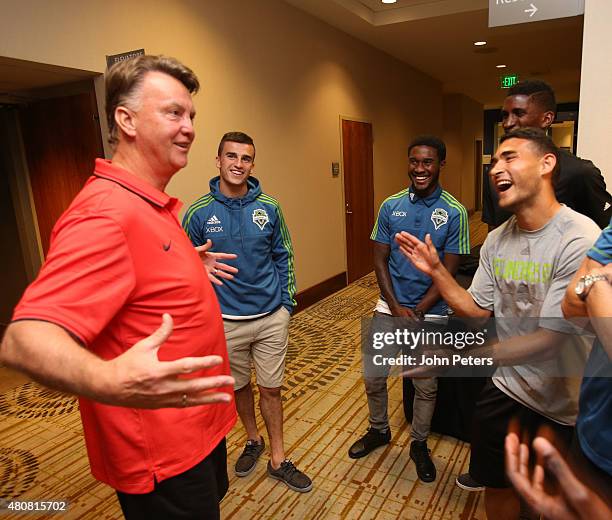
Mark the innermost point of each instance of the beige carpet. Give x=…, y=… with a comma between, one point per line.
x=42, y=454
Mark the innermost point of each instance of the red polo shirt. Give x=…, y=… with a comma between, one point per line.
x=118, y=260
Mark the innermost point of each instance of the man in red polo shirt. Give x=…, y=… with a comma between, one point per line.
x=155, y=407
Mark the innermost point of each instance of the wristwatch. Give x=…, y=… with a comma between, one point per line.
x=585, y=282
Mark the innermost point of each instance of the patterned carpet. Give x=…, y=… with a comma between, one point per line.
x=42, y=453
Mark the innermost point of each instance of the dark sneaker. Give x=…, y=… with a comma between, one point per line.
x=247, y=461
x=424, y=466
x=371, y=440
x=291, y=476
x=466, y=482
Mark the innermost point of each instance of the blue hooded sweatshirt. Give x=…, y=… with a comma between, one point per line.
x=252, y=227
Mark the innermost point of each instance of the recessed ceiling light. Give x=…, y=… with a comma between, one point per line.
x=389, y=1
x=480, y=44
x=500, y=66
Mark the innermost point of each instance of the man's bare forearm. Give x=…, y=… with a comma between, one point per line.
x=383, y=277
x=49, y=355
x=600, y=312
x=572, y=306
x=432, y=296
x=456, y=296
x=136, y=378
x=538, y=346
x=384, y=283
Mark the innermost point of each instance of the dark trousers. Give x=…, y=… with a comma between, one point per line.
x=193, y=495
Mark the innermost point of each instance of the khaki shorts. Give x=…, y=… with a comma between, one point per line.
x=264, y=341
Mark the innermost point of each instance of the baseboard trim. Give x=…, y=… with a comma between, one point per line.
x=317, y=292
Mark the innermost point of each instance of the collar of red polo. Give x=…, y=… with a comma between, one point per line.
x=105, y=169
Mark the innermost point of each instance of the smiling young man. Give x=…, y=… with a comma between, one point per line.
x=405, y=292
x=525, y=267
x=257, y=304
x=580, y=185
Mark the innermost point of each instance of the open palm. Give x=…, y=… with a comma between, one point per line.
x=423, y=255
x=214, y=268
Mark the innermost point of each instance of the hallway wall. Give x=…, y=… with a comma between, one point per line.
x=463, y=125
x=266, y=69
x=595, y=88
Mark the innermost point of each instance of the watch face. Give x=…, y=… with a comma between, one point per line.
x=579, y=287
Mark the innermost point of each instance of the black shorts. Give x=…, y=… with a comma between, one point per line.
x=492, y=416
x=194, y=494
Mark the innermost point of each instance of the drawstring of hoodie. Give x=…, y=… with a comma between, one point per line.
x=240, y=224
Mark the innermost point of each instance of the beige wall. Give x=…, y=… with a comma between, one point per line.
x=266, y=69
x=463, y=123
x=595, y=87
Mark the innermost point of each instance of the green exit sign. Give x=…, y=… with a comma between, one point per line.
x=509, y=80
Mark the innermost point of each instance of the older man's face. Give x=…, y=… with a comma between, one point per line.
x=164, y=123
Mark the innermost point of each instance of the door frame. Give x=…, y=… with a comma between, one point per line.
x=21, y=192
x=17, y=163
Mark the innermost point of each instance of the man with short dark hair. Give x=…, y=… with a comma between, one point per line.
x=422, y=208
x=580, y=184
x=155, y=407
x=525, y=267
x=257, y=304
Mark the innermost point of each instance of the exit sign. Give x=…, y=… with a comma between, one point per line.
x=509, y=80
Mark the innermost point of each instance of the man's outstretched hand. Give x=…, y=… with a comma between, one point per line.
x=213, y=266
x=423, y=255
x=574, y=501
x=138, y=379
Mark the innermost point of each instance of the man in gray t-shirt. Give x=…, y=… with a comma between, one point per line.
x=521, y=278
x=525, y=267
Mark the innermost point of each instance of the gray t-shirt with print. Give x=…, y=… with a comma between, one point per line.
x=522, y=278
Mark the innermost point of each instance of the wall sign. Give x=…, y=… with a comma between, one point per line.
x=116, y=58
x=510, y=12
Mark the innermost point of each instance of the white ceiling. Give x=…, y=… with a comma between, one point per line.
x=436, y=37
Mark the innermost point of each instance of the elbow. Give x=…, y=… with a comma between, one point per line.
x=12, y=354
x=7, y=349
x=570, y=309
x=476, y=318
x=565, y=308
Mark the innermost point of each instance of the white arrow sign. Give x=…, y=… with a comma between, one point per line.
x=508, y=12
x=533, y=10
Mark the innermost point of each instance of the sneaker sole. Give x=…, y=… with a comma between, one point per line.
x=299, y=490
x=245, y=473
x=355, y=457
x=468, y=488
x=427, y=481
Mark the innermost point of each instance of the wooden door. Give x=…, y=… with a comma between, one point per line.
x=358, y=197
x=61, y=140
